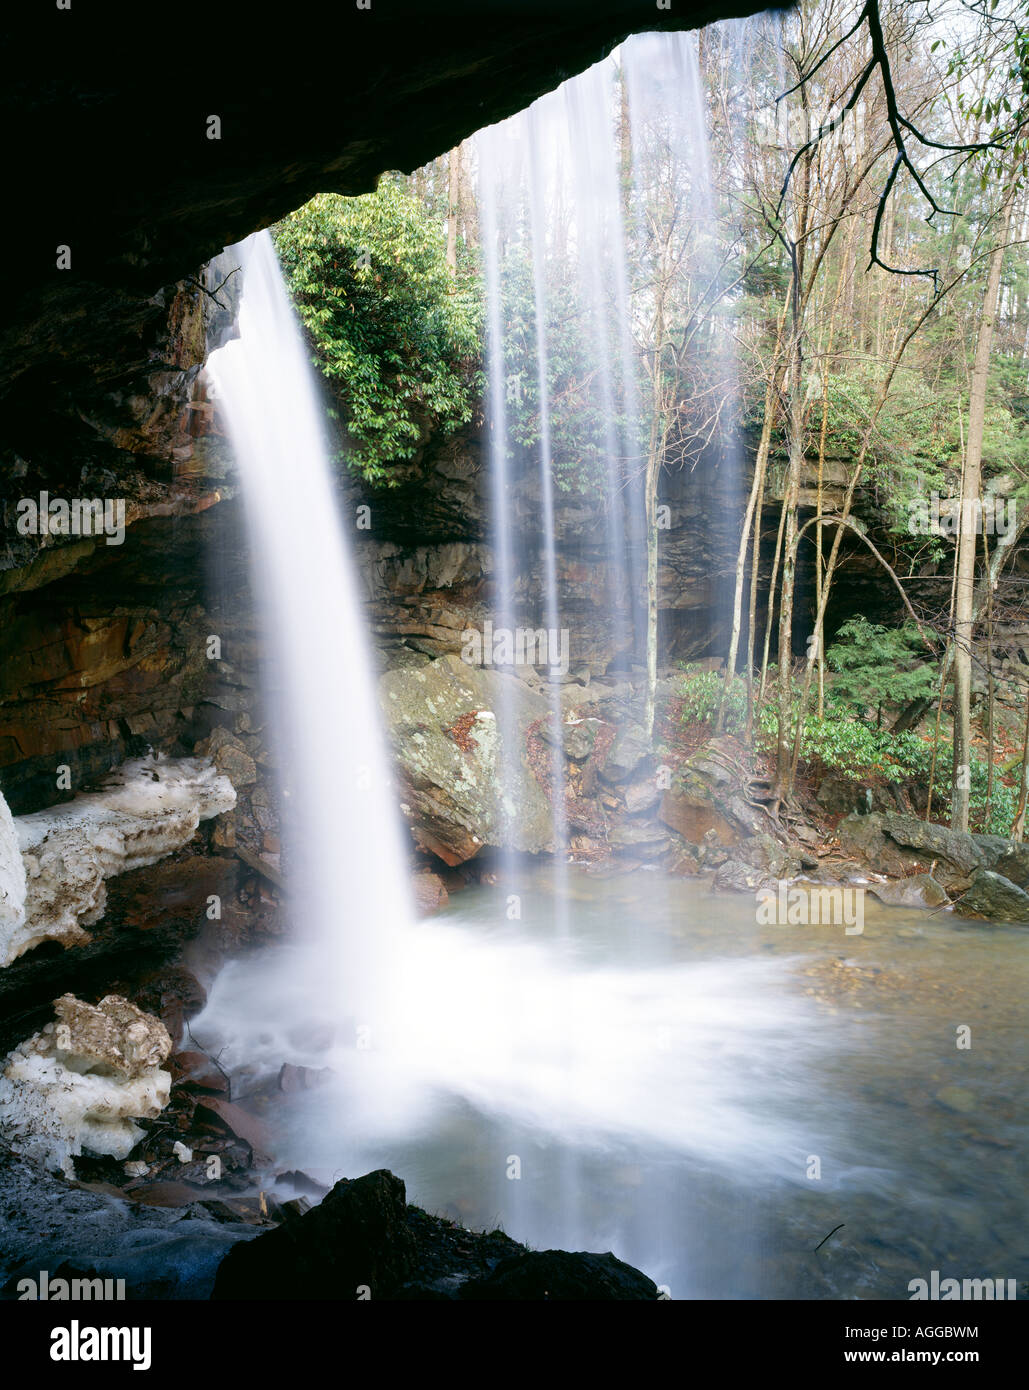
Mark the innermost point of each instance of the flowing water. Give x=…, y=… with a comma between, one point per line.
x=736, y=1091
x=327, y=988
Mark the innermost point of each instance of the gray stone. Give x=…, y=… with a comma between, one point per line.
x=642, y=796
x=994, y=898
x=576, y=739
x=937, y=841
x=1012, y=860
x=917, y=890
x=443, y=719
x=625, y=754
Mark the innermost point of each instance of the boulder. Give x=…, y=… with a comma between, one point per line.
x=758, y=861
x=1010, y=859
x=445, y=721
x=917, y=890
x=224, y=1117
x=357, y=1237
x=430, y=892
x=695, y=819
x=936, y=841
x=839, y=795
x=576, y=737
x=995, y=898
x=642, y=838
x=561, y=1276
x=863, y=838
x=643, y=795
x=628, y=750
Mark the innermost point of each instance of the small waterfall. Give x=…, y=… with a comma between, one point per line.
x=670, y=160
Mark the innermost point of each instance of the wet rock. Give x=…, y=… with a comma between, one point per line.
x=293, y=1079
x=443, y=722
x=936, y=841
x=300, y=1182
x=561, y=1276
x=225, y=1117
x=1008, y=858
x=197, y=1071
x=646, y=839
x=957, y=1099
x=430, y=892
x=237, y=765
x=862, y=837
x=994, y=898
x=840, y=796
x=642, y=796
x=575, y=739
x=694, y=818
x=628, y=750
x=357, y=1236
x=756, y=862
x=917, y=890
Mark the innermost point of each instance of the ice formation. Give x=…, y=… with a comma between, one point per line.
x=52, y=874
x=80, y=1082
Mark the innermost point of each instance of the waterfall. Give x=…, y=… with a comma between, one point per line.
x=569, y=1045
x=348, y=878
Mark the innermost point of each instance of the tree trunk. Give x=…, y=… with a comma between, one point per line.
x=964, y=601
x=453, y=203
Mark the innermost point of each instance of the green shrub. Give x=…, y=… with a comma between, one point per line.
x=702, y=695
x=393, y=333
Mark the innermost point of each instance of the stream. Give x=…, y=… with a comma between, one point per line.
x=705, y=1096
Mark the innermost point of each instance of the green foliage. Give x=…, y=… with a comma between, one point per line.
x=844, y=743
x=392, y=333
x=702, y=695
x=879, y=666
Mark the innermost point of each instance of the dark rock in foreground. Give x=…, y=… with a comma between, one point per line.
x=561, y=1276
x=365, y=1241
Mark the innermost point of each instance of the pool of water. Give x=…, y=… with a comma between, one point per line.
x=663, y=1076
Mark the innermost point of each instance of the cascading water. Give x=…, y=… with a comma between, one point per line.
x=340, y=818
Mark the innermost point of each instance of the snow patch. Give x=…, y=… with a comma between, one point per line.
x=80, y=1082
x=147, y=809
